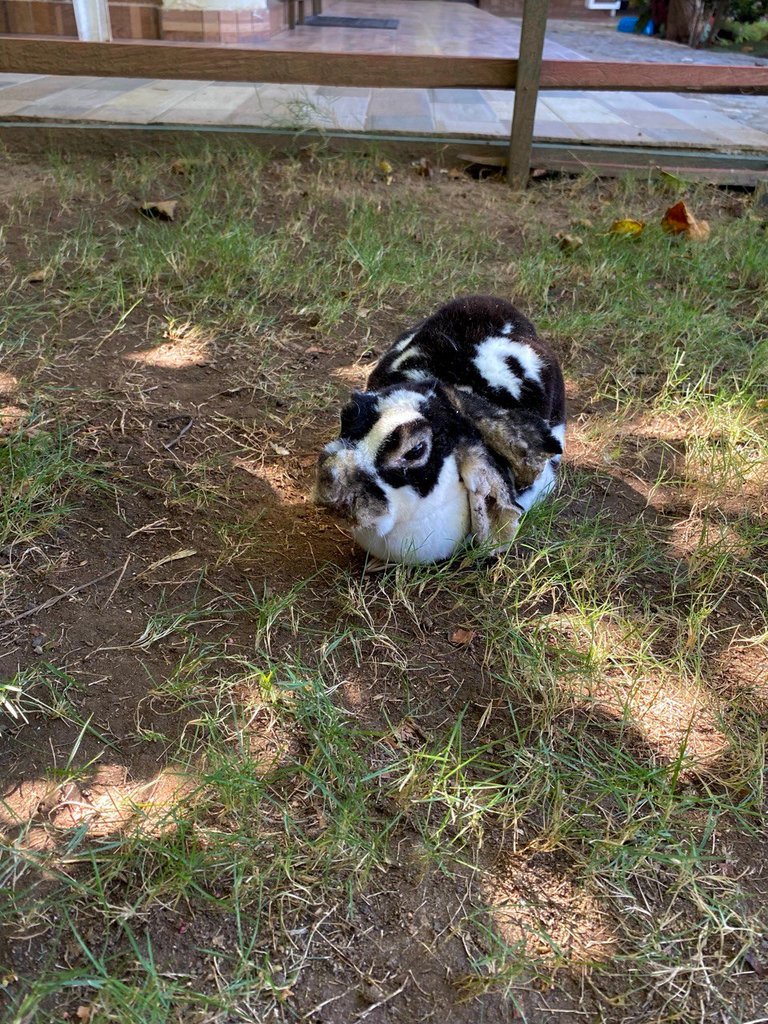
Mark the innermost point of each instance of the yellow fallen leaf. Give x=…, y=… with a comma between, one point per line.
x=164, y=209
x=627, y=228
x=387, y=170
x=678, y=220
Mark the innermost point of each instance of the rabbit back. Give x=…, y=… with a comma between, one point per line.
x=485, y=347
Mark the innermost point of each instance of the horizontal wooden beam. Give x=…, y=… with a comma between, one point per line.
x=203, y=62
x=619, y=76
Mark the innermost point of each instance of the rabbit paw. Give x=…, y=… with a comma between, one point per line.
x=493, y=514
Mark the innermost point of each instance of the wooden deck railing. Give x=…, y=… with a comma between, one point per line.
x=527, y=75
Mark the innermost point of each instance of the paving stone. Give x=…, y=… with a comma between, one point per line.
x=400, y=102
x=68, y=103
x=206, y=106
x=146, y=103
x=392, y=123
x=642, y=118
x=463, y=112
x=578, y=110
x=335, y=90
x=555, y=130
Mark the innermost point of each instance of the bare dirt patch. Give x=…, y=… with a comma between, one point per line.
x=169, y=626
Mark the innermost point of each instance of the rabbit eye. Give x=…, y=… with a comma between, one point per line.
x=416, y=452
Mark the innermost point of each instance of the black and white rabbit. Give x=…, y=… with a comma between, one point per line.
x=459, y=432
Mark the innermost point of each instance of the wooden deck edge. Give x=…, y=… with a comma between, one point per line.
x=610, y=161
x=203, y=62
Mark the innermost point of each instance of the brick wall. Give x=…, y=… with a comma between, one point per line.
x=145, y=19
x=223, y=26
x=131, y=19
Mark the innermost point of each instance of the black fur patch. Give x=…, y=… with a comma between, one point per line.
x=463, y=405
x=358, y=415
x=448, y=342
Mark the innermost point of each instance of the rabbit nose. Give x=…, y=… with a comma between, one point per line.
x=336, y=470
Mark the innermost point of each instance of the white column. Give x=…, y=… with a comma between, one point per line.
x=92, y=17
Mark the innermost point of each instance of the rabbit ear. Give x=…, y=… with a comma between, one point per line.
x=358, y=415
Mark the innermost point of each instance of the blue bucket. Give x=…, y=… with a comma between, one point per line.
x=629, y=24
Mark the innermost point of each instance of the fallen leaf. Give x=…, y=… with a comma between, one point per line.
x=424, y=167
x=408, y=733
x=278, y=449
x=627, y=228
x=678, y=220
x=175, y=557
x=463, y=636
x=39, y=276
x=568, y=243
x=387, y=170
x=164, y=209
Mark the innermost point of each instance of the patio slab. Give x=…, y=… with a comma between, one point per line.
x=611, y=118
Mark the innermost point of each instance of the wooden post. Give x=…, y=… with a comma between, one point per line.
x=92, y=19
x=526, y=91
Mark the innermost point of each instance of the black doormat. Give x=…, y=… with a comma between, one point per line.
x=330, y=21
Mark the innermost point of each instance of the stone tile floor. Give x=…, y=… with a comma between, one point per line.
x=645, y=119
x=599, y=40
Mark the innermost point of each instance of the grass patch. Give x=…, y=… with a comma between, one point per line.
x=41, y=476
x=249, y=780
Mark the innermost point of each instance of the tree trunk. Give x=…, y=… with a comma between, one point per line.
x=692, y=21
